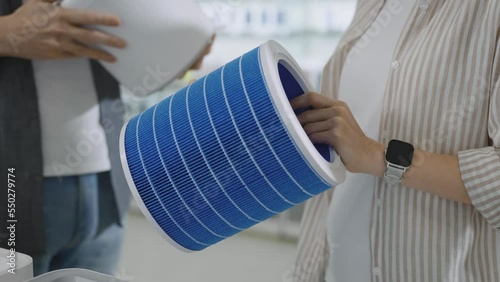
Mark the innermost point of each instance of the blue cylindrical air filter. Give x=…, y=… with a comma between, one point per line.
x=227, y=152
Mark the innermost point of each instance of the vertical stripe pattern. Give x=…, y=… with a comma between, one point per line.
x=444, y=97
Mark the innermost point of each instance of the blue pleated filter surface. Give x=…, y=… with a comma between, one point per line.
x=227, y=152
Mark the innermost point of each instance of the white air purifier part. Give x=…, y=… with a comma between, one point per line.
x=75, y=275
x=23, y=266
x=164, y=38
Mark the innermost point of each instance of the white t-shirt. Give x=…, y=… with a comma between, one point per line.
x=73, y=141
x=348, y=221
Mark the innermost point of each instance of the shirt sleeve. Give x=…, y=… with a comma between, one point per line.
x=480, y=168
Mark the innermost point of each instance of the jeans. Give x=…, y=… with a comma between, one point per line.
x=71, y=212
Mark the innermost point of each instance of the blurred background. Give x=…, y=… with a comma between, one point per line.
x=310, y=31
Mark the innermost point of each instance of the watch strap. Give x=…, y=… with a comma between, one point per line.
x=394, y=174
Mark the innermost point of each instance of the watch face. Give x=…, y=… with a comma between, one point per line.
x=399, y=153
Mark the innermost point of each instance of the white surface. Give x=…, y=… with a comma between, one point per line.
x=3, y=264
x=73, y=141
x=74, y=275
x=362, y=87
x=242, y=258
x=164, y=37
x=24, y=267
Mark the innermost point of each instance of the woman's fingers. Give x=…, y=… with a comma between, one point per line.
x=332, y=126
x=332, y=122
x=311, y=99
x=324, y=114
x=313, y=116
x=80, y=50
x=321, y=138
x=329, y=122
x=316, y=127
x=94, y=37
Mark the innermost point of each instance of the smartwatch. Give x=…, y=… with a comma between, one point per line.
x=398, y=156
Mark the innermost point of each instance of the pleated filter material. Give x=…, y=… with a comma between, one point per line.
x=227, y=152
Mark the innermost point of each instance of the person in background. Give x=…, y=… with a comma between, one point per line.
x=412, y=106
x=60, y=119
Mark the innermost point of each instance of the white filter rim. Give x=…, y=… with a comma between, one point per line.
x=272, y=53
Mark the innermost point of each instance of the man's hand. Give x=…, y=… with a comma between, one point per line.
x=41, y=30
x=331, y=122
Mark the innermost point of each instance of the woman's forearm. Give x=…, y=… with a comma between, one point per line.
x=431, y=173
x=332, y=122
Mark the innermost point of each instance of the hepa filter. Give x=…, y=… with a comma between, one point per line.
x=227, y=152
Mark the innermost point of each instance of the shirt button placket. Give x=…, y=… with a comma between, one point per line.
x=424, y=5
x=395, y=65
x=377, y=273
x=376, y=270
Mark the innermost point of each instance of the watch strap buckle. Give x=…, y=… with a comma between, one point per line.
x=394, y=173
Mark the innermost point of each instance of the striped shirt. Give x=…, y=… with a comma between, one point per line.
x=443, y=96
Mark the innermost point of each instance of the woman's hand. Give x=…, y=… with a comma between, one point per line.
x=331, y=122
x=41, y=30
